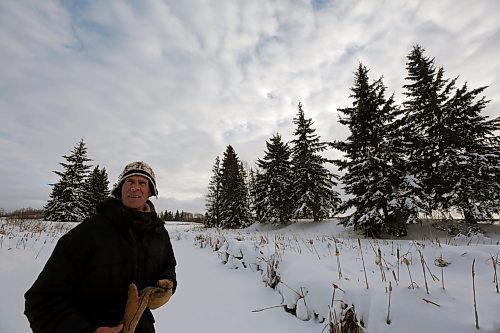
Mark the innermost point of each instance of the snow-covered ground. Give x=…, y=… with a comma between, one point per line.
x=242, y=281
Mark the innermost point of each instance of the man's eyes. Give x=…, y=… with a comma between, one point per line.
x=142, y=183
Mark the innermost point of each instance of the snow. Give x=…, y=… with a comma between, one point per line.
x=240, y=280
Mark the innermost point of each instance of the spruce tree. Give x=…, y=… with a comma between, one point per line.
x=426, y=94
x=254, y=194
x=245, y=212
x=213, y=199
x=234, y=211
x=95, y=190
x=375, y=177
x=54, y=210
x=470, y=157
x=65, y=202
x=313, y=184
x=452, y=149
x=274, y=182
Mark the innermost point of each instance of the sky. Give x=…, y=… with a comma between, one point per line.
x=172, y=83
x=233, y=294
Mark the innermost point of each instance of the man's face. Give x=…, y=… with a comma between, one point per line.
x=135, y=192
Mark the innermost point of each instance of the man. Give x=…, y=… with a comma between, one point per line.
x=86, y=281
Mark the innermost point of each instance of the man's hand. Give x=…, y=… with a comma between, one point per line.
x=138, y=301
x=161, y=295
x=116, y=329
x=135, y=306
x=165, y=284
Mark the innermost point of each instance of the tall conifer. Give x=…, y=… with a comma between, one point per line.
x=95, y=190
x=452, y=148
x=235, y=212
x=375, y=174
x=213, y=200
x=314, y=195
x=274, y=182
x=65, y=202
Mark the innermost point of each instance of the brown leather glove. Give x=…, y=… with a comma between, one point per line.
x=135, y=306
x=161, y=294
x=151, y=297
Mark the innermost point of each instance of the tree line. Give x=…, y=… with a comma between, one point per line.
x=434, y=153
x=181, y=216
x=28, y=213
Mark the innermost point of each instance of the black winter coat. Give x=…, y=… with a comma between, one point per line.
x=84, y=283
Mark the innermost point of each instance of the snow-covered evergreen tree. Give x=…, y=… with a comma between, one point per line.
x=452, y=149
x=95, y=190
x=54, y=210
x=471, y=157
x=372, y=172
x=313, y=184
x=256, y=200
x=234, y=208
x=213, y=199
x=422, y=125
x=274, y=183
x=243, y=193
x=65, y=202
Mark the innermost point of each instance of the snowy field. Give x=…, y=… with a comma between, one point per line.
x=301, y=278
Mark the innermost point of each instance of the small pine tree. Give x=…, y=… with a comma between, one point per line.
x=65, y=202
x=274, y=182
x=313, y=184
x=245, y=212
x=213, y=200
x=95, y=190
x=235, y=212
x=255, y=202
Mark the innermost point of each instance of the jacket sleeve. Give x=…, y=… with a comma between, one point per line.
x=49, y=305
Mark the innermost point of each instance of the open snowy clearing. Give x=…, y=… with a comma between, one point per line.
x=226, y=277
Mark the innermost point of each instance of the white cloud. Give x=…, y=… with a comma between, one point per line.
x=173, y=82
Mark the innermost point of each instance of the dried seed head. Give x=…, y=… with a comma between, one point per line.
x=406, y=262
x=440, y=262
x=378, y=258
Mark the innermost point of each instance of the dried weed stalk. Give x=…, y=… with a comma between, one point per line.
x=388, y=319
x=441, y=263
x=495, y=276
x=337, y=254
x=378, y=262
x=407, y=263
x=363, y=260
x=422, y=261
x=474, y=292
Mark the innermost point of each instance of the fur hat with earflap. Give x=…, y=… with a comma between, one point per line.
x=136, y=169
